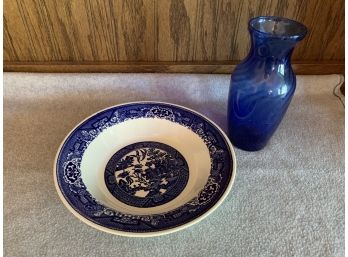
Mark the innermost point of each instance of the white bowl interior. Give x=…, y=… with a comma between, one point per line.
x=114, y=138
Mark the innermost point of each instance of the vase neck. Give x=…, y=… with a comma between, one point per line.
x=268, y=47
x=274, y=37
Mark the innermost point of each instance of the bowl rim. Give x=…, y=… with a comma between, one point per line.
x=152, y=233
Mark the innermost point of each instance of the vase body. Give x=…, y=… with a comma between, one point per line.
x=263, y=84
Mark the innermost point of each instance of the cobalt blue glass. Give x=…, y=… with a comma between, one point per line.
x=263, y=84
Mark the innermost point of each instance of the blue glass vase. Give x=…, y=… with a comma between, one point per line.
x=263, y=84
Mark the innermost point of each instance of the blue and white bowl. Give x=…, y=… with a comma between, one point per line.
x=144, y=169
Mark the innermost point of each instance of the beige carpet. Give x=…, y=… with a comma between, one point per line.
x=287, y=200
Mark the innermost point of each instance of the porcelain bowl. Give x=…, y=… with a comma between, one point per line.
x=144, y=169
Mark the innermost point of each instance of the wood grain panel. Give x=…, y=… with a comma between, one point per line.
x=110, y=31
x=176, y=21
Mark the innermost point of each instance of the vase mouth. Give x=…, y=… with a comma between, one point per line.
x=279, y=27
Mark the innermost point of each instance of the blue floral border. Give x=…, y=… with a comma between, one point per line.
x=73, y=189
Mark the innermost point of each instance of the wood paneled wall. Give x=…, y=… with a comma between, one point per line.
x=151, y=32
